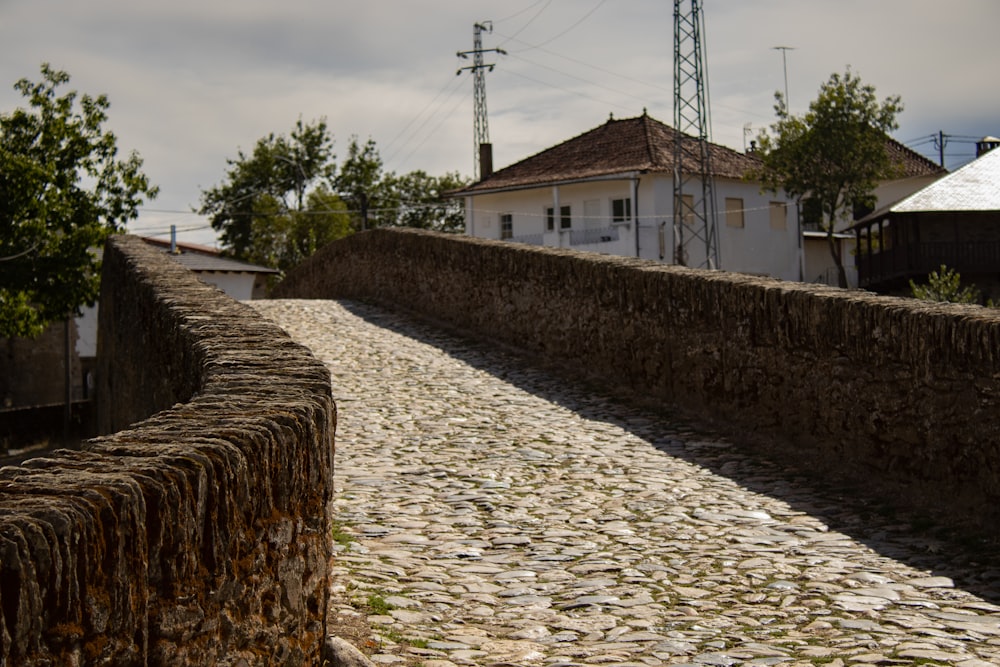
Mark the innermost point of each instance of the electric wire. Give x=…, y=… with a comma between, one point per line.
x=530, y=21
x=441, y=121
x=578, y=78
x=566, y=90
x=575, y=25
x=522, y=11
x=455, y=88
x=451, y=84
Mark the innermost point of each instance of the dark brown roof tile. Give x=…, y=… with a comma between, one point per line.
x=641, y=144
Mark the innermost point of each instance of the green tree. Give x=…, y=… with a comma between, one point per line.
x=275, y=206
x=421, y=202
x=63, y=191
x=945, y=285
x=362, y=185
x=834, y=155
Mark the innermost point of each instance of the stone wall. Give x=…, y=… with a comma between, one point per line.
x=883, y=388
x=199, y=535
x=33, y=370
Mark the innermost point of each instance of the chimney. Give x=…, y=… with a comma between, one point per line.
x=485, y=160
x=173, y=239
x=985, y=145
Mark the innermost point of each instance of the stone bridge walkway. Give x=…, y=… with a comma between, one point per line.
x=490, y=515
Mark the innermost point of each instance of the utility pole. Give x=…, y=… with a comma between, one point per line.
x=695, y=222
x=478, y=68
x=941, y=141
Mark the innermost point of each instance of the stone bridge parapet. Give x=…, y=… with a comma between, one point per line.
x=887, y=391
x=197, y=532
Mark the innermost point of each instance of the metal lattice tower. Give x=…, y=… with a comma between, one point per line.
x=695, y=222
x=479, y=68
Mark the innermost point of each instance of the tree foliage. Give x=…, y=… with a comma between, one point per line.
x=945, y=285
x=384, y=199
x=275, y=205
x=361, y=184
x=282, y=202
x=63, y=191
x=834, y=155
x=421, y=201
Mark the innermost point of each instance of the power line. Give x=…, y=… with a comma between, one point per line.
x=578, y=78
x=429, y=118
x=454, y=84
x=574, y=26
x=566, y=90
x=532, y=19
x=430, y=134
x=625, y=77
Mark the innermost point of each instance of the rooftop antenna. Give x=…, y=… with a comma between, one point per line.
x=482, y=149
x=695, y=221
x=784, y=65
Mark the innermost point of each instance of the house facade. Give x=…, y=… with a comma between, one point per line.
x=611, y=190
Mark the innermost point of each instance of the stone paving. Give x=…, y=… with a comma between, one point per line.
x=489, y=514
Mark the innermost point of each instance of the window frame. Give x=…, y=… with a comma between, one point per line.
x=565, y=217
x=779, y=222
x=734, y=213
x=625, y=215
x=506, y=226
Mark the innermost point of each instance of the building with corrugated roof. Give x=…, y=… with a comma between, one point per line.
x=954, y=221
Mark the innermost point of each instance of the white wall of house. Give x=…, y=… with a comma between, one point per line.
x=890, y=192
x=760, y=246
x=86, y=327
x=819, y=264
x=758, y=232
x=237, y=285
x=522, y=215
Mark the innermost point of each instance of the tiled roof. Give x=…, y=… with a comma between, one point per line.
x=974, y=187
x=642, y=144
x=913, y=163
x=619, y=146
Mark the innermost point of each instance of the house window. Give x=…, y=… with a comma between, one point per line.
x=687, y=209
x=734, y=212
x=621, y=210
x=565, y=220
x=506, y=225
x=812, y=214
x=779, y=215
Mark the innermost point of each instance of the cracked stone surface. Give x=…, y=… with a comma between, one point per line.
x=491, y=514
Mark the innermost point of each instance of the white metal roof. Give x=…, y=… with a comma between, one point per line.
x=974, y=187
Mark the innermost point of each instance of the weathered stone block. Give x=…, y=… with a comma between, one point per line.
x=197, y=531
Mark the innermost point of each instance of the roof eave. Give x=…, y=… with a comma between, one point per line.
x=617, y=176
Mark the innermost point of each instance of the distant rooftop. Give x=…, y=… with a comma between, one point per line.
x=619, y=146
x=203, y=259
x=974, y=187
x=644, y=144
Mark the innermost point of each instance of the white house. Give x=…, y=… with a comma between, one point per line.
x=610, y=190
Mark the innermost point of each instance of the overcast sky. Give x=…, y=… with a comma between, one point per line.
x=190, y=83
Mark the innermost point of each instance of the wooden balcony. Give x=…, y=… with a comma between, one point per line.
x=916, y=260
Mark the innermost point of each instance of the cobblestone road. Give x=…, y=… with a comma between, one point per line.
x=490, y=515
